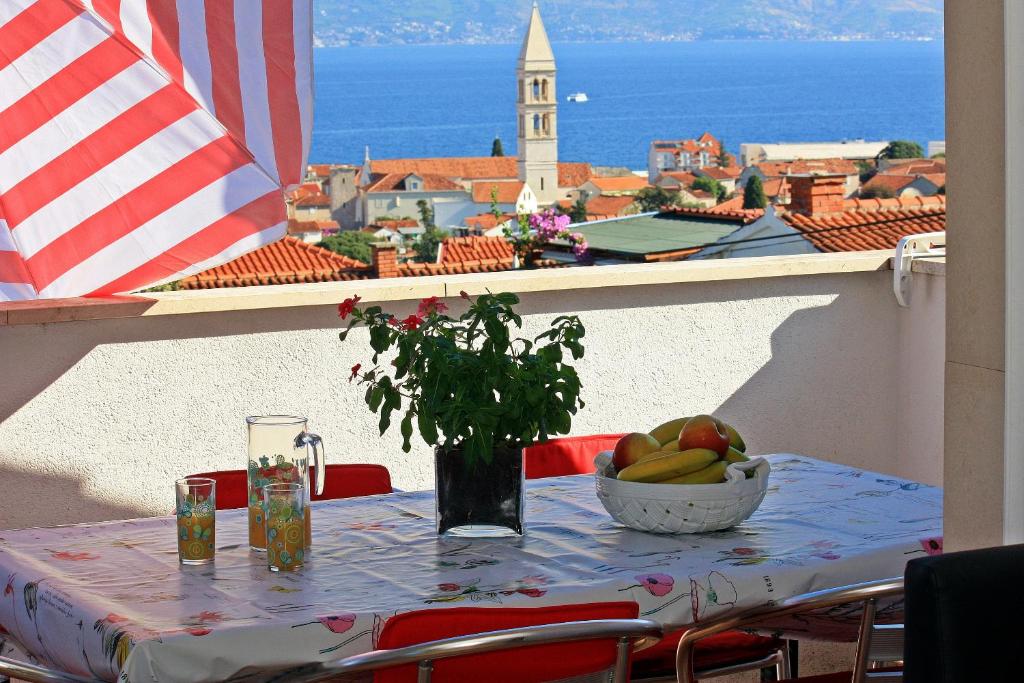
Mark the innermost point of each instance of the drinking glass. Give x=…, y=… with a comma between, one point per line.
x=196, y=510
x=284, y=508
x=280, y=450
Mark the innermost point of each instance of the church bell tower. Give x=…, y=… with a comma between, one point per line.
x=537, y=113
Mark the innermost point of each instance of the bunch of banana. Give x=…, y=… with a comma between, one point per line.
x=671, y=465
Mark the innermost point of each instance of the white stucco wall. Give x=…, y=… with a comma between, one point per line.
x=97, y=418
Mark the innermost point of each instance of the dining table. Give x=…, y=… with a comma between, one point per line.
x=110, y=600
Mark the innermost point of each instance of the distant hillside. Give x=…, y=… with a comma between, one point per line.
x=382, y=22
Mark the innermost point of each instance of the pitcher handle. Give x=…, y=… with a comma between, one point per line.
x=316, y=444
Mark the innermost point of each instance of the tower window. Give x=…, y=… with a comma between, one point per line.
x=536, y=123
x=544, y=89
x=542, y=183
x=546, y=124
x=536, y=89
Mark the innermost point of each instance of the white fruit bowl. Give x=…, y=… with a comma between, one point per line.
x=682, y=508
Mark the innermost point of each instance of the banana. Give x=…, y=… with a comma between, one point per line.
x=670, y=430
x=670, y=446
x=712, y=474
x=735, y=440
x=735, y=455
x=651, y=456
x=669, y=466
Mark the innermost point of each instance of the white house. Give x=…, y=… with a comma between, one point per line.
x=757, y=152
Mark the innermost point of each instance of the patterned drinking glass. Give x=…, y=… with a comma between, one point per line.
x=284, y=507
x=280, y=450
x=196, y=510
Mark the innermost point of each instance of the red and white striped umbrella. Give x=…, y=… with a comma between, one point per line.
x=145, y=140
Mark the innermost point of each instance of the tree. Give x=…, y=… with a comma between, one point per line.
x=939, y=155
x=655, y=197
x=901, y=149
x=941, y=190
x=351, y=243
x=723, y=158
x=578, y=211
x=709, y=185
x=753, y=196
x=877, y=192
x=496, y=149
x=426, y=213
x=428, y=244
x=866, y=170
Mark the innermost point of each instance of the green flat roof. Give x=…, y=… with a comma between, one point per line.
x=652, y=234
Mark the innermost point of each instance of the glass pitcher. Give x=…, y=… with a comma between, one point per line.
x=279, y=452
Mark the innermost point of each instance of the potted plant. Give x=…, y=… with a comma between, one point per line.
x=477, y=392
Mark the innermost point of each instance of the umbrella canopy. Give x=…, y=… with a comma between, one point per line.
x=142, y=141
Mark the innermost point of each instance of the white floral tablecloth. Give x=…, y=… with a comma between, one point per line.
x=110, y=599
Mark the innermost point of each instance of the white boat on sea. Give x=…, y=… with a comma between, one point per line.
x=577, y=97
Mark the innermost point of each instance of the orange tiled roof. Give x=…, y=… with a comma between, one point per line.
x=486, y=221
x=508, y=191
x=722, y=173
x=893, y=183
x=742, y=216
x=832, y=166
x=686, y=179
x=304, y=190
x=917, y=167
x=864, y=229
x=573, y=173
x=462, y=249
x=394, y=225
x=319, y=170
x=411, y=269
x=895, y=203
x=609, y=206
x=776, y=187
x=313, y=199
x=626, y=183
x=570, y=174
x=734, y=208
x=396, y=182
x=287, y=261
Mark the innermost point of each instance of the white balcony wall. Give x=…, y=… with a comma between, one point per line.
x=97, y=418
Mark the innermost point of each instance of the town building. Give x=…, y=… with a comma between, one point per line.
x=936, y=147
x=613, y=186
x=537, y=113
x=682, y=155
x=820, y=219
x=757, y=152
x=770, y=171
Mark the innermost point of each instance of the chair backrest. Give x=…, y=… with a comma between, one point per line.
x=568, y=455
x=341, y=481
x=560, y=660
x=875, y=643
x=963, y=615
x=531, y=644
x=33, y=673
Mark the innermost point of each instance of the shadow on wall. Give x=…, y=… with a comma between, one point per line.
x=57, y=499
x=29, y=368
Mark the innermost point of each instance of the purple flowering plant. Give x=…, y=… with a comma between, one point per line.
x=532, y=231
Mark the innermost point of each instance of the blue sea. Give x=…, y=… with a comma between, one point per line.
x=452, y=100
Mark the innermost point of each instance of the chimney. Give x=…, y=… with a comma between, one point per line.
x=817, y=195
x=384, y=257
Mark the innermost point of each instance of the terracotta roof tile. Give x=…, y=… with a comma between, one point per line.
x=486, y=221
x=742, y=216
x=916, y=167
x=722, y=173
x=319, y=170
x=863, y=229
x=619, y=183
x=394, y=225
x=606, y=205
x=483, y=249
x=287, y=261
x=297, y=226
x=684, y=178
x=507, y=191
x=776, y=187
x=831, y=166
x=734, y=208
x=573, y=173
x=892, y=183
x=397, y=182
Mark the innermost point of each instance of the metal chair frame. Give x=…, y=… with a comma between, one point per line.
x=37, y=674
x=868, y=593
x=629, y=634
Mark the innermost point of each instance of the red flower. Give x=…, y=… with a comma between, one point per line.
x=744, y=551
x=346, y=307
x=431, y=305
x=464, y=295
x=448, y=587
x=355, y=371
x=73, y=557
x=412, y=322
x=657, y=585
x=531, y=592
x=394, y=321
x=339, y=623
x=198, y=631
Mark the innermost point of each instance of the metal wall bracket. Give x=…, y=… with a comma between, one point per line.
x=909, y=248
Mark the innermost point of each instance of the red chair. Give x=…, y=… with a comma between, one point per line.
x=575, y=455
x=341, y=481
x=565, y=456
x=522, y=665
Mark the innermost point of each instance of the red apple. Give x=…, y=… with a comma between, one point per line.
x=704, y=431
x=631, y=448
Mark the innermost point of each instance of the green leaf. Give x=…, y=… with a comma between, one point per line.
x=406, y=428
x=376, y=396
x=428, y=430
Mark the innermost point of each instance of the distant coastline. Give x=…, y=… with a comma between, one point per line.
x=319, y=43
